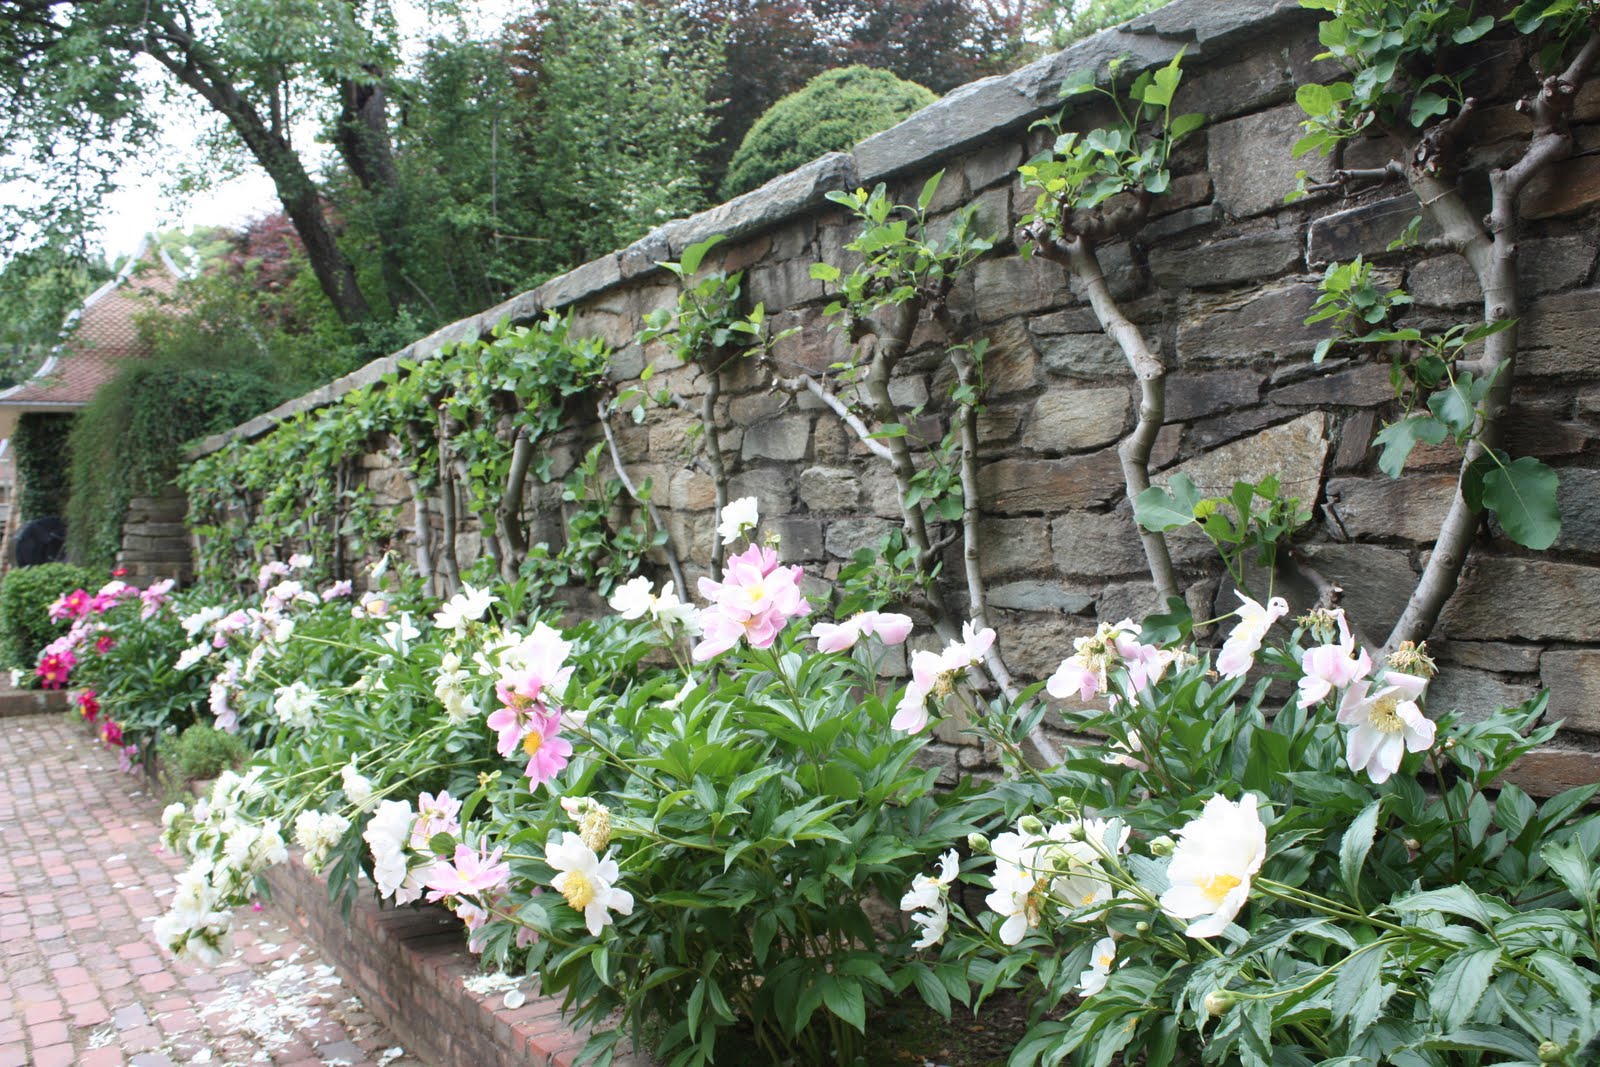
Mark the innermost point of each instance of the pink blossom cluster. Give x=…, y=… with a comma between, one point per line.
x=889, y=627
x=935, y=672
x=1112, y=647
x=533, y=675
x=754, y=601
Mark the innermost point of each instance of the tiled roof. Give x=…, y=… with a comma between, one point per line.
x=104, y=336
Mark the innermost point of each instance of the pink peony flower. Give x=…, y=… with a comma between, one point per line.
x=1238, y=653
x=547, y=752
x=890, y=628
x=336, y=590
x=754, y=601
x=469, y=873
x=111, y=732
x=154, y=597
x=103, y=643
x=88, y=705
x=936, y=672
x=1087, y=671
x=54, y=669
x=1330, y=667
x=71, y=606
x=269, y=571
x=435, y=815
x=1387, y=723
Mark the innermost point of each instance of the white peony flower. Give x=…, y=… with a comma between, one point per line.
x=1216, y=856
x=192, y=655
x=1238, y=653
x=464, y=608
x=741, y=515
x=357, y=787
x=1101, y=958
x=586, y=881
x=294, y=704
x=1388, y=724
x=386, y=835
x=399, y=633
x=317, y=833
x=930, y=894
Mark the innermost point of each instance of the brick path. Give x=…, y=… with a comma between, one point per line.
x=82, y=877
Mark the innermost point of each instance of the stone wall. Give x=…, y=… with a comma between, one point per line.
x=1221, y=278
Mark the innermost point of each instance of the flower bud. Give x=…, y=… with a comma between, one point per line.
x=1550, y=1052
x=1031, y=825
x=1141, y=927
x=978, y=843
x=1413, y=659
x=1218, y=1001
x=1412, y=844
x=1162, y=846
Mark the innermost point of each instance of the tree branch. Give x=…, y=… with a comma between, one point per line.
x=602, y=412
x=508, y=515
x=837, y=405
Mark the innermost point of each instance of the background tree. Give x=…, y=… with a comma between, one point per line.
x=38, y=289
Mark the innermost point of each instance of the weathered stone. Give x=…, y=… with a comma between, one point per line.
x=992, y=165
x=1011, y=486
x=1035, y=643
x=1549, y=771
x=595, y=276
x=1251, y=166
x=799, y=540
x=829, y=489
x=1268, y=321
x=1531, y=431
x=1294, y=451
x=1363, y=231
x=784, y=284
x=1039, y=596
x=1531, y=599
x=781, y=199
x=1578, y=494
x=1168, y=226
x=1208, y=434
x=1573, y=678
x=996, y=424
x=1443, y=282
x=1014, y=286
x=1014, y=547
x=1226, y=262
x=1127, y=600
x=1475, y=694
x=1011, y=364
x=1076, y=420
x=751, y=408
x=1498, y=656
x=782, y=438
x=773, y=488
x=1567, y=187
x=1557, y=335
x=1082, y=355
x=908, y=392
x=1410, y=508
x=847, y=536
x=1193, y=395
x=691, y=491
x=1377, y=582
x=1365, y=385
x=1259, y=77
x=1094, y=545
x=1555, y=263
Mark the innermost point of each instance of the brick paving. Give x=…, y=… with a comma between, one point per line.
x=82, y=877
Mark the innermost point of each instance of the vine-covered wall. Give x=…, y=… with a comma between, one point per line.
x=1220, y=278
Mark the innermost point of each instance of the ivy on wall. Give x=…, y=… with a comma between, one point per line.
x=42, y=456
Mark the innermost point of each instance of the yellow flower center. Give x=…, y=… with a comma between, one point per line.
x=944, y=685
x=578, y=890
x=1384, y=716
x=1218, y=886
x=1104, y=961
x=1088, y=898
x=532, y=743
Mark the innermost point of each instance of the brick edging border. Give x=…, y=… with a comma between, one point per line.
x=408, y=966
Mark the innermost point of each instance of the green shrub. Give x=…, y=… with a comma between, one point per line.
x=25, y=598
x=43, y=455
x=127, y=441
x=200, y=752
x=831, y=113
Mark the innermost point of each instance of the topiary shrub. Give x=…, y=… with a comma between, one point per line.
x=831, y=113
x=200, y=752
x=25, y=598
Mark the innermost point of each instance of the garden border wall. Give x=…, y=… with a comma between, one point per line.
x=1221, y=279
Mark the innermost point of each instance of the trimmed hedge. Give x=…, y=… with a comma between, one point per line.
x=831, y=113
x=25, y=598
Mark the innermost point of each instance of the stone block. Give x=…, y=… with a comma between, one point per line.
x=1226, y=262
x=1096, y=545
x=1365, y=385
x=773, y=488
x=1475, y=694
x=1526, y=599
x=1377, y=582
x=1410, y=508
x=1294, y=451
x=1012, y=362
x=689, y=490
x=829, y=489
x=1563, y=189
x=1578, y=495
x=1011, y=285
x=1443, y=282
x=799, y=540
x=1040, y=596
x=783, y=285
x=752, y=408
x=1573, y=678
x=1168, y=226
x=1250, y=162
x=780, y=200
x=1014, y=548
x=1555, y=263
x=1557, y=335
x=784, y=438
x=1126, y=600
x=845, y=537
x=1196, y=394
x=1082, y=355
x=992, y=165
x=1548, y=771
x=1263, y=322
x=1498, y=656
x=1013, y=486
x=1076, y=420
x=1365, y=231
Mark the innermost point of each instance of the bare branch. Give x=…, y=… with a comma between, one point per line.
x=449, y=568
x=508, y=514
x=422, y=526
x=602, y=412
x=839, y=408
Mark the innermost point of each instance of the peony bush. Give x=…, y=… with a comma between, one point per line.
x=708, y=818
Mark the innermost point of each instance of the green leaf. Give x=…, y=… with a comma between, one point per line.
x=1572, y=983
x=1460, y=983
x=1487, y=1039
x=1357, y=843
x=844, y=999
x=824, y=272
x=1160, y=510
x=1184, y=125
x=1522, y=495
x=1472, y=31
x=1426, y=106
x=1454, y=406
x=1398, y=439
x=692, y=256
x=1315, y=100
x=929, y=188
x=1358, y=988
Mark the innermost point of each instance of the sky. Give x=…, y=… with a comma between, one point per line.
x=144, y=203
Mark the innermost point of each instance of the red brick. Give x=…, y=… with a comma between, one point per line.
x=54, y=1056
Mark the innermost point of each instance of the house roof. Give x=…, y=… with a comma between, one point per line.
x=99, y=336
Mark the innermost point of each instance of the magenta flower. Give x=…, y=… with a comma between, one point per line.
x=88, y=705
x=71, y=606
x=111, y=733
x=469, y=873
x=54, y=669
x=754, y=601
